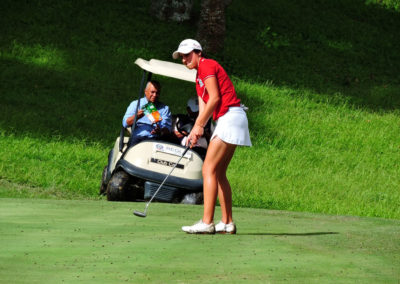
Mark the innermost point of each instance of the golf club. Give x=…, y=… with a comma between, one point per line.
x=143, y=214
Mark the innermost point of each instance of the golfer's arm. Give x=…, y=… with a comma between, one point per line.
x=206, y=110
x=202, y=105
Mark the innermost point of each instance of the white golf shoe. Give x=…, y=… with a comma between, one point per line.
x=200, y=228
x=222, y=228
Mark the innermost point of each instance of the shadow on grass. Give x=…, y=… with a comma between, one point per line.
x=289, y=234
x=333, y=49
x=341, y=48
x=49, y=103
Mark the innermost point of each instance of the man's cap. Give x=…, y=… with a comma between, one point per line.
x=193, y=104
x=186, y=46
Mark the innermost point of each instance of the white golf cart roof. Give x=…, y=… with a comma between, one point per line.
x=168, y=69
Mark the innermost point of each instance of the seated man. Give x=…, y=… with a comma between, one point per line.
x=145, y=128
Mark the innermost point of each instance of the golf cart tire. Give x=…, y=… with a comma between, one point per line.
x=103, y=185
x=118, y=187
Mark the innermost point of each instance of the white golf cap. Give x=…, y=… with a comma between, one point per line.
x=186, y=46
x=193, y=104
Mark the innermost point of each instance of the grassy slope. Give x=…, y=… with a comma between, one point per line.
x=321, y=80
x=53, y=241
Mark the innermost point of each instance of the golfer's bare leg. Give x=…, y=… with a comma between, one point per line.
x=224, y=188
x=217, y=159
x=225, y=200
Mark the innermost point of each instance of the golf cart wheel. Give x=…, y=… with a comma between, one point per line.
x=103, y=184
x=117, y=188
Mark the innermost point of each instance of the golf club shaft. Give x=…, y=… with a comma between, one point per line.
x=158, y=189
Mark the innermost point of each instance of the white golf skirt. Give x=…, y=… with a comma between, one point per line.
x=233, y=127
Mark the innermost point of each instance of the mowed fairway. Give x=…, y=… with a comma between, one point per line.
x=53, y=241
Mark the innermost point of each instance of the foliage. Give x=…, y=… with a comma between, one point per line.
x=390, y=4
x=272, y=39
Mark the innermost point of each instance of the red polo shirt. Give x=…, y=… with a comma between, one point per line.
x=211, y=68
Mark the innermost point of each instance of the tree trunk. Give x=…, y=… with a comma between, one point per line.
x=174, y=10
x=211, y=29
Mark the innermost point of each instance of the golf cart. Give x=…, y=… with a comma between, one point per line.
x=134, y=173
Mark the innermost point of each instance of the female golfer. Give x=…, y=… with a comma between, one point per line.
x=217, y=97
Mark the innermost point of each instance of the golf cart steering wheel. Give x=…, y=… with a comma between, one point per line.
x=184, y=124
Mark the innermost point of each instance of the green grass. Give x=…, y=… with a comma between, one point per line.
x=321, y=80
x=332, y=159
x=53, y=241
x=47, y=164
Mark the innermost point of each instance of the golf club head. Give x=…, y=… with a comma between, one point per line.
x=143, y=214
x=139, y=214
